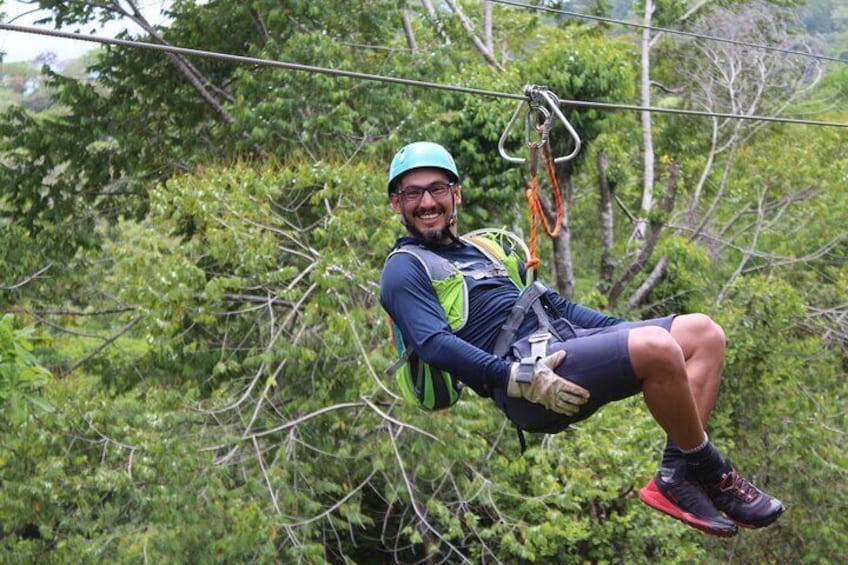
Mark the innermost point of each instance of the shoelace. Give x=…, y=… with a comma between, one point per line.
x=734, y=483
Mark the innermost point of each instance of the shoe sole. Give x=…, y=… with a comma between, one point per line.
x=652, y=496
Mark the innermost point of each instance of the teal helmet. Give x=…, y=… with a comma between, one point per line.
x=419, y=155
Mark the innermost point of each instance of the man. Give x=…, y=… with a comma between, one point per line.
x=565, y=361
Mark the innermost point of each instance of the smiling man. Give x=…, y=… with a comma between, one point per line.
x=548, y=362
x=429, y=196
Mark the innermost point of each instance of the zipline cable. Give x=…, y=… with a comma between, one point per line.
x=396, y=80
x=256, y=61
x=672, y=31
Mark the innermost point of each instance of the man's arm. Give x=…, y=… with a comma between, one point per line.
x=407, y=294
x=580, y=315
x=577, y=314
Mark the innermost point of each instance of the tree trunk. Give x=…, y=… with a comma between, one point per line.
x=488, y=39
x=647, y=134
x=607, y=266
x=563, y=261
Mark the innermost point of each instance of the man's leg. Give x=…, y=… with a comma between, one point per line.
x=680, y=380
x=702, y=343
x=659, y=362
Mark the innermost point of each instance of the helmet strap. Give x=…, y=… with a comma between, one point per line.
x=452, y=220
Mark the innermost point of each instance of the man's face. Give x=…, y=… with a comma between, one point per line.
x=429, y=217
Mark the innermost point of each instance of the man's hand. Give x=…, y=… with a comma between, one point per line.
x=546, y=387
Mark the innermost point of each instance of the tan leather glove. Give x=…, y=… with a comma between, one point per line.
x=545, y=387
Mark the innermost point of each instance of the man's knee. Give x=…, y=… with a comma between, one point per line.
x=654, y=350
x=696, y=331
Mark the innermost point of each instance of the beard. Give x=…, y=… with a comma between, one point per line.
x=433, y=236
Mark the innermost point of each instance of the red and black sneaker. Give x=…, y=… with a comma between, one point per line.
x=742, y=502
x=686, y=501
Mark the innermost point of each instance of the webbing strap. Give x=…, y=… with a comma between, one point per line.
x=527, y=300
x=539, y=345
x=395, y=367
x=521, y=439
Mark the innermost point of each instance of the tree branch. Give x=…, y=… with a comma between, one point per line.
x=29, y=279
x=478, y=43
x=408, y=32
x=103, y=346
x=655, y=228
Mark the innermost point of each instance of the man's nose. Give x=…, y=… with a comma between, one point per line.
x=427, y=199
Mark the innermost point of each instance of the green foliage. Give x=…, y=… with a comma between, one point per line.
x=212, y=307
x=20, y=373
x=688, y=285
x=122, y=473
x=781, y=401
x=60, y=169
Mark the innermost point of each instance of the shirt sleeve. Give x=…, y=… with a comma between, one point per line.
x=580, y=315
x=407, y=295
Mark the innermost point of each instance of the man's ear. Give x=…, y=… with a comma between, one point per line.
x=458, y=194
x=394, y=200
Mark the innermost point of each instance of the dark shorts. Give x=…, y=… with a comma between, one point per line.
x=597, y=359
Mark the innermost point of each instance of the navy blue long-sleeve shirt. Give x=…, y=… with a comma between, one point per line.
x=407, y=294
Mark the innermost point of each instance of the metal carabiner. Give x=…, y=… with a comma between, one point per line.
x=536, y=96
x=506, y=131
x=553, y=104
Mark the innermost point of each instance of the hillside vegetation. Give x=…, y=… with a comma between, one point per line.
x=191, y=344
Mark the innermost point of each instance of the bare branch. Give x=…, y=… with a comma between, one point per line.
x=408, y=31
x=478, y=43
x=364, y=355
x=655, y=228
x=434, y=17
x=203, y=86
x=414, y=500
x=397, y=422
x=106, y=343
x=336, y=505
x=641, y=293
x=73, y=313
x=306, y=417
x=29, y=279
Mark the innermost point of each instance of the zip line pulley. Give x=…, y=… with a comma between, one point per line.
x=542, y=106
x=539, y=101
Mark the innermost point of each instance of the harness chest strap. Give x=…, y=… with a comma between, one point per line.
x=529, y=299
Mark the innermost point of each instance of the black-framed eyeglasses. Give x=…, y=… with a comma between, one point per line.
x=415, y=193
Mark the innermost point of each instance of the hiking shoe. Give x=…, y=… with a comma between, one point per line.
x=688, y=502
x=742, y=502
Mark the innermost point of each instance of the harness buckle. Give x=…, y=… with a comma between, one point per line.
x=538, y=345
x=538, y=349
x=526, y=370
x=539, y=337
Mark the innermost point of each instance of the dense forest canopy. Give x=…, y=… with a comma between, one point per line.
x=191, y=346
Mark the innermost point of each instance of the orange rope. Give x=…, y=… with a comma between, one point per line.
x=536, y=210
